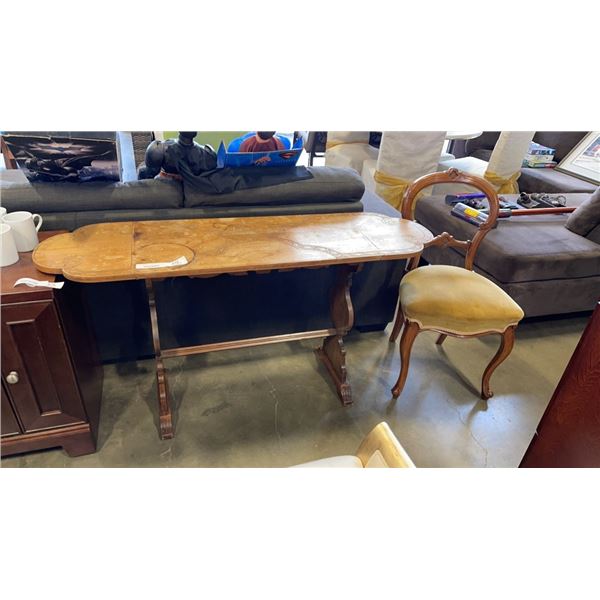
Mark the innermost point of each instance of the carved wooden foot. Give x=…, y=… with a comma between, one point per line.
x=333, y=355
x=165, y=419
x=332, y=352
x=409, y=334
x=506, y=345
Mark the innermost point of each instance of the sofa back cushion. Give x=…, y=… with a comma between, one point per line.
x=562, y=141
x=586, y=216
x=328, y=184
x=69, y=197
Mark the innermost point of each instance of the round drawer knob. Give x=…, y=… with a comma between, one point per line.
x=12, y=377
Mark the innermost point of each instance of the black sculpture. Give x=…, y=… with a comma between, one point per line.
x=196, y=165
x=166, y=158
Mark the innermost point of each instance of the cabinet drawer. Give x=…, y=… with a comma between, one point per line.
x=37, y=367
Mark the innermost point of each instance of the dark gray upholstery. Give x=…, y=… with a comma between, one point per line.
x=562, y=141
x=73, y=220
x=587, y=216
x=482, y=154
x=72, y=205
x=594, y=235
x=70, y=197
x=327, y=185
x=542, y=265
x=551, y=181
x=540, y=180
x=527, y=248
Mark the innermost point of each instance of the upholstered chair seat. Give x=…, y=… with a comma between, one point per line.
x=455, y=300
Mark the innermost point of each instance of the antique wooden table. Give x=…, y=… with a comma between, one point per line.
x=237, y=246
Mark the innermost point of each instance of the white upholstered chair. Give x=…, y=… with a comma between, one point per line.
x=403, y=157
x=380, y=448
x=348, y=149
x=504, y=166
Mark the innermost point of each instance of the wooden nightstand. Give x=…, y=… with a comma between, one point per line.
x=51, y=373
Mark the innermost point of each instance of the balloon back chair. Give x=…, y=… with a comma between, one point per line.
x=450, y=300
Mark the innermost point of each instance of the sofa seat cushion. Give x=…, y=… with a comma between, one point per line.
x=551, y=181
x=20, y=194
x=454, y=299
x=328, y=184
x=520, y=249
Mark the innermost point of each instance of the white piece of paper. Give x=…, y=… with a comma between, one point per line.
x=57, y=285
x=178, y=262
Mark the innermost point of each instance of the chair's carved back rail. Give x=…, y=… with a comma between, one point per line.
x=445, y=239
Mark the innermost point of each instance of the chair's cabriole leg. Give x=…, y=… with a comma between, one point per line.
x=506, y=345
x=411, y=329
x=441, y=339
x=397, y=324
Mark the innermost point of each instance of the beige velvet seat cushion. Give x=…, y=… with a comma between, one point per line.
x=456, y=300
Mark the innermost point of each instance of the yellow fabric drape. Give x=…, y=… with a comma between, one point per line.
x=504, y=185
x=392, y=189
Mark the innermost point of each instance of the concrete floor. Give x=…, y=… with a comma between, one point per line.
x=273, y=406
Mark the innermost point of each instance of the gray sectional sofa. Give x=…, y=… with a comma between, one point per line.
x=196, y=311
x=540, y=263
x=72, y=205
x=532, y=180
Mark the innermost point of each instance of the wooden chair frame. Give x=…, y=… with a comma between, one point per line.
x=382, y=439
x=412, y=328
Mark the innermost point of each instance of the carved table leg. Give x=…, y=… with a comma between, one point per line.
x=332, y=352
x=164, y=408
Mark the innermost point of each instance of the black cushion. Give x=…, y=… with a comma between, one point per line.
x=328, y=184
x=20, y=194
x=520, y=249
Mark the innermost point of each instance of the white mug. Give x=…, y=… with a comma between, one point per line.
x=2, y=213
x=8, y=248
x=24, y=229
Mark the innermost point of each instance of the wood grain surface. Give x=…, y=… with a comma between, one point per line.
x=568, y=435
x=111, y=251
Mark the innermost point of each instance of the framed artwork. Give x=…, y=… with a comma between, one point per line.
x=584, y=160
